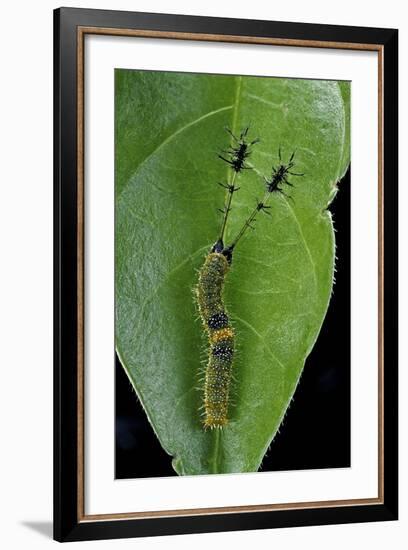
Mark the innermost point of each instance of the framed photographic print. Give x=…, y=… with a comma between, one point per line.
x=225, y=274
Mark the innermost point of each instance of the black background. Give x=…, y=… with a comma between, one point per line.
x=315, y=432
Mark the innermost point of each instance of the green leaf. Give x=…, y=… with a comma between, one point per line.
x=169, y=130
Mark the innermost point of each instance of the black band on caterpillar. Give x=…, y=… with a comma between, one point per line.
x=218, y=320
x=220, y=338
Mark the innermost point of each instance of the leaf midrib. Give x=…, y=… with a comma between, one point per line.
x=237, y=101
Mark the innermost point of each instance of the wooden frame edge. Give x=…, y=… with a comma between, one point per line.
x=231, y=510
x=81, y=32
x=80, y=275
x=230, y=38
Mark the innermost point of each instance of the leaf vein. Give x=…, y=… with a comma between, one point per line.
x=173, y=135
x=266, y=101
x=163, y=282
x=262, y=338
x=306, y=246
x=309, y=254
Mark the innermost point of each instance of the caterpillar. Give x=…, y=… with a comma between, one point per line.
x=220, y=336
x=211, y=280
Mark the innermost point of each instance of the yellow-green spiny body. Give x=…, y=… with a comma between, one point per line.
x=217, y=380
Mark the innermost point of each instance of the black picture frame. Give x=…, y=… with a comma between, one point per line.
x=70, y=524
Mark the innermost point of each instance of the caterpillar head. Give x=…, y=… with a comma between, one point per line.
x=221, y=249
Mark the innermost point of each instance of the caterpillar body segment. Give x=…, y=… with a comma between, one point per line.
x=217, y=380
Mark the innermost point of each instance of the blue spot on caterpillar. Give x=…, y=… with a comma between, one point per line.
x=211, y=279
